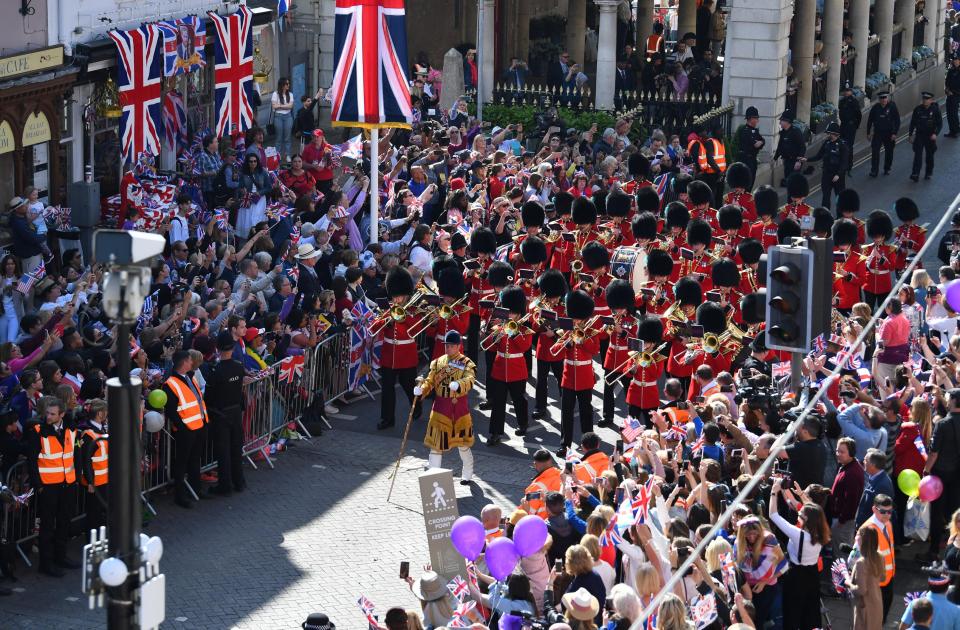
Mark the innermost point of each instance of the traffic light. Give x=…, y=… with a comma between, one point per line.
x=790, y=280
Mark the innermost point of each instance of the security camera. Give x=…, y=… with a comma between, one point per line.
x=126, y=247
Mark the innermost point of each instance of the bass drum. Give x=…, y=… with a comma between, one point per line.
x=630, y=264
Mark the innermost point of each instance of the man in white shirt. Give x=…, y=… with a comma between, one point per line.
x=180, y=224
x=421, y=255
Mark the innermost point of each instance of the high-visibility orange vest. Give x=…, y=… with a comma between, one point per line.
x=677, y=416
x=885, y=548
x=653, y=44
x=591, y=467
x=719, y=155
x=55, y=460
x=546, y=482
x=98, y=460
x=191, y=409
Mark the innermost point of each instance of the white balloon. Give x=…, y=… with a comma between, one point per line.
x=113, y=571
x=154, y=550
x=152, y=421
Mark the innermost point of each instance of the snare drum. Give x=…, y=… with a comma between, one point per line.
x=630, y=264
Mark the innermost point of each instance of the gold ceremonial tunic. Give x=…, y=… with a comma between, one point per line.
x=450, y=424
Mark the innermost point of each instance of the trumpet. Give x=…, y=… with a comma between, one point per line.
x=432, y=316
x=634, y=358
x=578, y=335
x=510, y=328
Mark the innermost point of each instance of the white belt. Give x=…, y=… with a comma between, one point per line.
x=613, y=347
x=881, y=272
x=577, y=363
x=644, y=383
x=398, y=342
x=509, y=356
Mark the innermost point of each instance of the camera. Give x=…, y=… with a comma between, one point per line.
x=757, y=391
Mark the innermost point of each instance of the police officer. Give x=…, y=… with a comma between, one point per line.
x=750, y=141
x=224, y=398
x=883, y=123
x=952, y=88
x=925, y=125
x=850, y=118
x=834, y=153
x=791, y=146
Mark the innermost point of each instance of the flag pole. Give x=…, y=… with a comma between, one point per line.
x=374, y=183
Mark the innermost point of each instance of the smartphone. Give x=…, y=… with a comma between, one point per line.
x=928, y=387
x=619, y=446
x=723, y=505
x=618, y=496
x=598, y=481
x=737, y=452
x=59, y=329
x=839, y=257
x=471, y=264
x=886, y=381
x=609, y=604
x=558, y=565
x=503, y=522
x=404, y=570
x=526, y=274
x=670, y=455
x=698, y=399
x=568, y=468
x=533, y=496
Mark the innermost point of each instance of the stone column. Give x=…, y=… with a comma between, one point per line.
x=644, y=23
x=860, y=23
x=576, y=29
x=686, y=17
x=832, y=43
x=933, y=33
x=883, y=21
x=523, y=30
x=903, y=15
x=488, y=52
x=606, y=54
x=804, y=27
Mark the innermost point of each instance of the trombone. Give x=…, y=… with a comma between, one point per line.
x=579, y=334
x=397, y=313
x=640, y=358
x=510, y=328
x=432, y=316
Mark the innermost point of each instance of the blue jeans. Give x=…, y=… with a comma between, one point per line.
x=9, y=327
x=284, y=125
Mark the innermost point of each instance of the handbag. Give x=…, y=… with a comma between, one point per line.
x=271, y=128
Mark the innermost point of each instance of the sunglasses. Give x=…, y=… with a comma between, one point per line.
x=884, y=511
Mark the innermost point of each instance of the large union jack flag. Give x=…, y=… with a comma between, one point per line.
x=233, y=70
x=370, y=86
x=139, y=72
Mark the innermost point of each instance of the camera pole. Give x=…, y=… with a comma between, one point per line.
x=796, y=360
x=481, y=16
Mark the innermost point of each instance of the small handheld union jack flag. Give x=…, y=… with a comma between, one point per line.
x=290, y=368
x=611, y=536
x=458, y=588
x=459, y=619
x=367, y=608
x=295, y=236
x=641, y=504
x=222, y=218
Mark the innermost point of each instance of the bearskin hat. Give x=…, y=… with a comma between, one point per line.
x=532, y=214
x=659, y=263
x=399, y=282
x=533, y=250
x=753, y=307
x=680, y=182
x=879, y=224
x=848, y=201
x=750, y=250
x=584, y=211
x=618, y=204
x=677, y=215
x=483, y=241
x=638, y=165
x=563, y=202
x=822, y=220
x=441, y=263
x=599, y=199
x=648, y=200
x=644, y=226
x=688, y=291
x=699, y=232
x=579, y=305
x=844, y=232
x=500, y=274
x=730, y=217
x=700, y=193
x=906, y=209
x=787, y=230
x=513, y=299
x=595, y=255
x=620, y=294
x=797, y=186
x=450, y=283
x=738, y=176
x=725, y=273
x=650, y=329
x=767, y=201
x=711, y=316
x=552, y=283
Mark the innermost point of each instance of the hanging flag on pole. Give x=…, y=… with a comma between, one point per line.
x=139, y=72
x=233, y=70
x=184, y=40
x=282, y=9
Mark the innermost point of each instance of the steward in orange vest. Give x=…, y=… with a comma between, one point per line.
x=93, y=462
x=53, y=474
x=547, y=481
x=187, y=414
x=655, y=43
x=594, y=460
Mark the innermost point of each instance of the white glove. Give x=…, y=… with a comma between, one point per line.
x=454, y=386
x=417, y=391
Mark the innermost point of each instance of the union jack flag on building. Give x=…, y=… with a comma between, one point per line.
x=233, y=70
x=370, y=86
x=139, y=72
x=184, y=40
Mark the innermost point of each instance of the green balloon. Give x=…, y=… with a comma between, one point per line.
x=158, y=398
x=909, y=482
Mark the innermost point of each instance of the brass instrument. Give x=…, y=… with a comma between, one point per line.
x=444, y=311
x=675, y=313
x=640, y=358
x=510, y=328
x=577, y=335
x=397, y=313
x=576, y=266
x=617, y=320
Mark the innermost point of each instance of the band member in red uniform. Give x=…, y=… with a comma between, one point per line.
x=643, y=394
x=730, y=221
x=656, y=295
x=848, y=205
x=678, y=216
x=726, y=281
x=880, y=258
x=533, y=254
x=689, y=297
x=850, y=273
x=648, y=200
x=510, y=339
x=620, y=298
x=553, y=286
x=639, y=167
x=483, y=245
x=560, y=256
x=701, y=200
x=909, y=237
x=738, y=181
x=615, y=232
x=576, y=386
x=764, y=229
x=532, y=215
x=749, y=252
x=697, y=266
x=712, y=317
x=644, y=230
x=797, y=190
x=584, y=215
x=499, y=276
x=596, y=263
x=451, y=287
x=398, y=356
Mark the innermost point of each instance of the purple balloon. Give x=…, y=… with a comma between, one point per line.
x=467, y=536
x=952, y=293
x=930, y=488
x=529, y=535
x=501, y=558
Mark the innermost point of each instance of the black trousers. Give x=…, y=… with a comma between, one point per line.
x=953, y=116
x=643, y=415
x=188, y=448
x=227, y=430
x=497, y=393
x=96, y=506
x=801, y=598
x=388, y=398
x=887, y=143
x=831, y=188
x=789, y=166
x=609, y=394
x=751, y=162
x=568, y=398
x=942, y=509
x=473, y=338
x=56, y=504
x=849, y=135
x=873, y=300
x=886, y=594
x=543, y=370
x=923, y=148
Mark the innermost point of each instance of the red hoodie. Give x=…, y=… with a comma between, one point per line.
x=905, y=453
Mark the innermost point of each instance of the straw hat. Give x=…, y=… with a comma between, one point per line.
x=581, y=605
x=430, y=587
x=307, y=251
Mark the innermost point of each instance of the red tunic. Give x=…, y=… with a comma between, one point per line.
x=542, y=352
x=797, y=208
x=749, y=282
x=908, y=239
x=619, y=347
x=479, y=287
x=847, y=292
x=460, y=322
x=660, y=301
x=643, y=391
x=880, y=265
x=766, y=233
x=699, y=265
x=599, y=296
x=509, y=364
x=399, y=349
x=578, y=374
x=622, y=234
x=745, y=201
